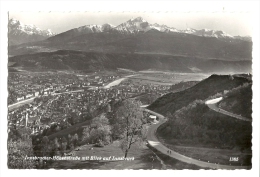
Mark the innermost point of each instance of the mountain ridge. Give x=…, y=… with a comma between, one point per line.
x=152, y=41
x=19, y=33
x=138, y=36
x=93, y=61
x=201, y=91
x=138, y=24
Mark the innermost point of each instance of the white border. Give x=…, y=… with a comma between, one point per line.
x=137, y=6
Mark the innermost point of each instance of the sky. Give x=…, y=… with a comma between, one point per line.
x=233, y=23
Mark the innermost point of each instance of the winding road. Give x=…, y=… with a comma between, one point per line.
x=154, y=142
x=212, y=105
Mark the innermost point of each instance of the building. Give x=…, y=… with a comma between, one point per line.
x=152, y=117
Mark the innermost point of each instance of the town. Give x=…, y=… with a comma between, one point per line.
x=65, y=99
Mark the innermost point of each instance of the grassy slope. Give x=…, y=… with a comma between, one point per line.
x=239, y=103
x=205, y=127
x=143, y=158
x=199, y=127
x=182, y=86
x=210, y=86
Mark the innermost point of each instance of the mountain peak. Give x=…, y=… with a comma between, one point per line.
x=107, y=27
x=138, y=19
x=13, y=21
x=21, y=33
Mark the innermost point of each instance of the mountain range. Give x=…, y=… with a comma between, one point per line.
x=19, y=33
x=16, y=29
x=138, y=38
x=138, y=25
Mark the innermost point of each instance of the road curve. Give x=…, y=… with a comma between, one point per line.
x=154, y=142
x=212, y=105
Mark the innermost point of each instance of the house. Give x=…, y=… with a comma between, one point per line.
x=152, y=117
x=29, y=95
x=20, y=98
x=226, y=91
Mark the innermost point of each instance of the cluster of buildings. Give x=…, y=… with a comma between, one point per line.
x=66, y=99
x=129, y=86
x=22, y=86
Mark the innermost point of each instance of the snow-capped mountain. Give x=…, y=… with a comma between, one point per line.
x=95, y=28
x=207, y=33
x=188, y=31
x=140, y=25
x=131, y=26
x=134, y=26
x=19, y=33
x=87, y=29
x=245, y=38
x=139, y=36
x=163, y=28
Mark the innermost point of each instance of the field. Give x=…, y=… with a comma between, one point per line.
x=165, y=78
